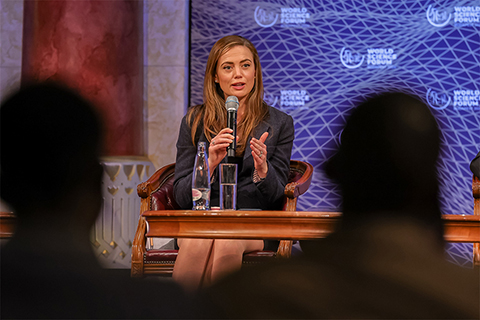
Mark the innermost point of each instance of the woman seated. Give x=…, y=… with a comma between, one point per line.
x=264, y=145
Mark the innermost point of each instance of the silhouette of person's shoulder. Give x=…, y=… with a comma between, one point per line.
x=65, y=283
x=387, y=270
x=65, y=286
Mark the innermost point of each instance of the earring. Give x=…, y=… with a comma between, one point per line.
x=216, y=81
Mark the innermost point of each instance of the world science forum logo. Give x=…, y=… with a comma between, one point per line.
x=289, y=99
x=462, y=16
x=265, y=18
x=438, y=18
x=466, y=100
x=288, y=17
x=377, y=58
x=438, y=101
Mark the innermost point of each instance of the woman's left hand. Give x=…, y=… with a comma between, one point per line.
x=259, y=153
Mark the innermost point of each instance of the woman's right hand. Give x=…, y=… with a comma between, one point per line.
x=218, y=147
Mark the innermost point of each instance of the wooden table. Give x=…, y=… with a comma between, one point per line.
x=7, y=224
x=297, y=225
x=241, y=224
x=461, y=228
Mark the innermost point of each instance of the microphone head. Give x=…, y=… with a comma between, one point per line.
x=232, y=103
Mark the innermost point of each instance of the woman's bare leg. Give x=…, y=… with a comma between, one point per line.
x=191, y=263
x=227, y=256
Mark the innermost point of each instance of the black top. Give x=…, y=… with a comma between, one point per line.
x=265, y=195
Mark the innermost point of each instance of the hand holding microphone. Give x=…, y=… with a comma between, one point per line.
x=232, y=105
x=225, y=142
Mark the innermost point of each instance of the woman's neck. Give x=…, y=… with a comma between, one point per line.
x=241, y=110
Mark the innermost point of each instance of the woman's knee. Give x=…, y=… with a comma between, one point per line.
x=195, y=247
x=229, y=246
x=237, y=246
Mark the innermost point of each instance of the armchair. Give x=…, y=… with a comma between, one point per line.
x=157, y=194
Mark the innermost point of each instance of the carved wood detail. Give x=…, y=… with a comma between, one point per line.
x=138, y=248
x=285, y=249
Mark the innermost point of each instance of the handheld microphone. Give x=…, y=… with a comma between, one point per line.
x=232, y=105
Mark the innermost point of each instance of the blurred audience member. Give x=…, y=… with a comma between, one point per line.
x=387, y=258
x=475, y=165
x=51, y=177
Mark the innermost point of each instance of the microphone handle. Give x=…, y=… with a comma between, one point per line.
x=232, y=124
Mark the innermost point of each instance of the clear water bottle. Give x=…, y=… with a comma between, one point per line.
x=201, y=180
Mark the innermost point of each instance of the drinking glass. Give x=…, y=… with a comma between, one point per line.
x=228, y=186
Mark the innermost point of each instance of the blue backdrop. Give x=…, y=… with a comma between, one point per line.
x=320, y=58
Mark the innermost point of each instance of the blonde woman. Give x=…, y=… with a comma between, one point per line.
x=264, y=143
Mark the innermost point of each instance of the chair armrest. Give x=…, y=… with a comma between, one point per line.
x=158, y=179
x=296, y=188
x=144, y=191
x=146, y=188
x=292, y=191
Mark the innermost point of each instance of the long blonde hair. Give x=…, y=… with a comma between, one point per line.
x=212, y=113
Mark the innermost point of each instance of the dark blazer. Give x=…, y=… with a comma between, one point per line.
x=475, y=165
x=266, y=194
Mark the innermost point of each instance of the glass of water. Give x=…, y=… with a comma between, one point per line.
x=228, y=186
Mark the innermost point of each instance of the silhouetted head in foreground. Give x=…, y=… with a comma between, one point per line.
x=386, y=163
x=386, y=261
x=50, y=146
x=51, y=176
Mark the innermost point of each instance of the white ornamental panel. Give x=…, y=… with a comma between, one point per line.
x=113, y=232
